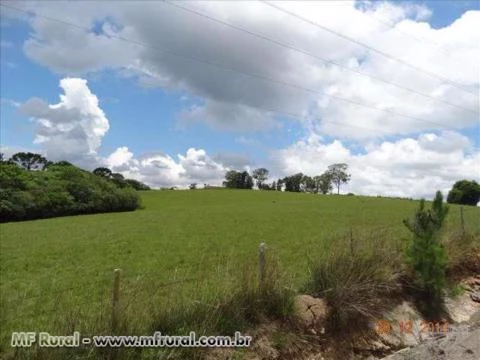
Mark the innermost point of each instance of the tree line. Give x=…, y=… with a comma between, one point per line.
x=463, y=192
x=31, y=187
x=333, y=178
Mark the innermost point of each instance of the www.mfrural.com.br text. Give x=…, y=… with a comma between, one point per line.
x=45, y=339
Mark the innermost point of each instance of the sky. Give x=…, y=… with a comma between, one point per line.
x=174, y=93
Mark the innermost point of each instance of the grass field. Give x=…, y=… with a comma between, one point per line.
x=56, y=274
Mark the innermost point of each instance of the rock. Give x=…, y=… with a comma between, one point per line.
x=462, y=307
x=461, y=346
x=311, y=313
x=404, y=330
x=475, y=296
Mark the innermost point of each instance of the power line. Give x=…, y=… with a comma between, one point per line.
x=369, y=47
x=291, y=47
x=262, y=77
x=392, y=25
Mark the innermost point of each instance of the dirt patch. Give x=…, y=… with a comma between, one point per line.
x=311, y=313
x=402, y=334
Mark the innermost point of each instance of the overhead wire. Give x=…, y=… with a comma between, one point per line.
x=180, y=6
x=369, y=47
x=245, y=73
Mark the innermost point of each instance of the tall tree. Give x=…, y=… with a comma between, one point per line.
x=293, y=183
x=238, y=180
x=308, y=184
x=323, y=183
x=230, y=179
x=260, y=175
x=338, y=175
x=246, y=181
x=29, y=161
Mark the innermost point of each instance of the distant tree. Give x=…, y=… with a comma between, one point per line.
x=192, y=186
x=323, y=183
x=238, y=180
x=247, y=181
x=279, y=184
x=293, y=183
x=230, y=179
x=103, y=171
x=3, y=159
x=260, y=175
x=274, y=185
x=464, y=192
x=117, y=176
x=63, y=163
x=48, y=164
x=119, y=180
x=308, y=184
x=137, y=185
x=29, y=161
x=338, y=175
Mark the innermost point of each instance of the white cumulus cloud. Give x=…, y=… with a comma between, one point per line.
x=164, y=46
x=71, y=129
x=413, y=167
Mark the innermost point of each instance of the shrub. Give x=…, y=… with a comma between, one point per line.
x=61, y=189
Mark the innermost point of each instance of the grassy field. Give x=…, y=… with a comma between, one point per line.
x=56, y=274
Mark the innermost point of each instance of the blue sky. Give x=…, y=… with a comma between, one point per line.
x=159, y=107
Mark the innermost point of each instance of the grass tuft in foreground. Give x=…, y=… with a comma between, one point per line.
x=222, y=311
x=356, y=282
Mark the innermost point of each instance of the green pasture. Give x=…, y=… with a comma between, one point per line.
x=56, y=274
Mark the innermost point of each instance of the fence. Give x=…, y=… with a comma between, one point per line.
x=113, y=296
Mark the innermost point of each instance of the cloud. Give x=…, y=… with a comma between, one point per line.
x=166, y=42
x=10, y=102
x=413, y=167
x=71, y=129
x=161, y=170
x=232, y=160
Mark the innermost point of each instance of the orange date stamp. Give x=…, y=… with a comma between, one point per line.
x=385, y=327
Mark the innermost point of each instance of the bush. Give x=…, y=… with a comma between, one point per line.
x=61, y=189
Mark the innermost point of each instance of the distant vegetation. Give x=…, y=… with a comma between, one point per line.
x=32, y=187
x=464, y=192
x=336, y=175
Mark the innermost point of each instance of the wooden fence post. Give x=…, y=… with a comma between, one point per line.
x=115, y=300
x=262, y=261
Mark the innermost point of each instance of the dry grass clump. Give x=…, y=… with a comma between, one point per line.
x=358, y=282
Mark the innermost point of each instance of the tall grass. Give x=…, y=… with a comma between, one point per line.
x=223, y=310
x=356, y=280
